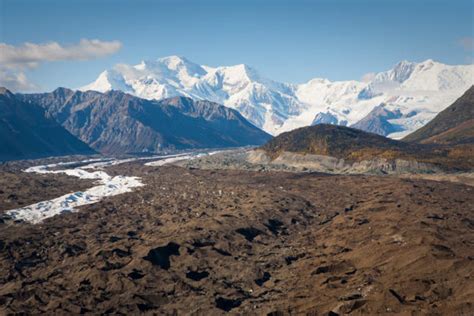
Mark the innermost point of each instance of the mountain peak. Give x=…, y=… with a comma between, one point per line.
x=406, y=63
x=62, y=90
x=241, y=72
x=5, y=92
x=402, y=71
x=403, y=63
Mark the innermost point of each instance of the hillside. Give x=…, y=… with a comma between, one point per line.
x=336, y=141
x=116, y=123
x=25, y=132
x=454, y=125
x=354, y=145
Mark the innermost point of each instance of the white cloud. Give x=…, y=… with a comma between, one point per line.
x=14, y=60
x=368, y=77
x=30, y=54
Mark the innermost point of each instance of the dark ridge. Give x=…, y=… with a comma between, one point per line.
x=27, y=132
x=336, y=141
x=454, y=125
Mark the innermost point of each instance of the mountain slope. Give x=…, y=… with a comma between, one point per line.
x=417, y=90
x=25, y=132
x=378, y=121
x=453, y=125
x=335, y=141
x=353, y=145
x=117, y=123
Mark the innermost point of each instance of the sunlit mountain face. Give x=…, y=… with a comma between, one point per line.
x=410, y=94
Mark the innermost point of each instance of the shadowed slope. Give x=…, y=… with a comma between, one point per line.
x=454, y=125
x=117, y=123
x=25, y=132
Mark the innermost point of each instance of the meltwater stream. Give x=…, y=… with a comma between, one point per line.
x=88, y=169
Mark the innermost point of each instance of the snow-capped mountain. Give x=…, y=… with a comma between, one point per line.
x=415, y=91
x=266, y=103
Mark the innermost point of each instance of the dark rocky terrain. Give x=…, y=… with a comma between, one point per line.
x=27, y=132
x=454, y=125
x=217, y=241
x=118, y=123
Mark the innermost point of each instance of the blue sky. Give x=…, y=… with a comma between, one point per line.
x=290, y=41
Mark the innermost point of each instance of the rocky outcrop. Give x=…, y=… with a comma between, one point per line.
x=328, y=164
x=259, y=160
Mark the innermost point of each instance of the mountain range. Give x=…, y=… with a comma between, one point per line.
x=392, y=103
x=26, y=132
x=119, y=123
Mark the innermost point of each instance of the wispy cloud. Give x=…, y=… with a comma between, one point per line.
x=467, y=43
x=15, y=80
x=368, y=77
x=14, y=60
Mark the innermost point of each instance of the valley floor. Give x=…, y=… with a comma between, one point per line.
x=248, y=242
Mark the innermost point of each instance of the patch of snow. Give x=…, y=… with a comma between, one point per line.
x=165, y=161
x=180, y=157
x=106, y=186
